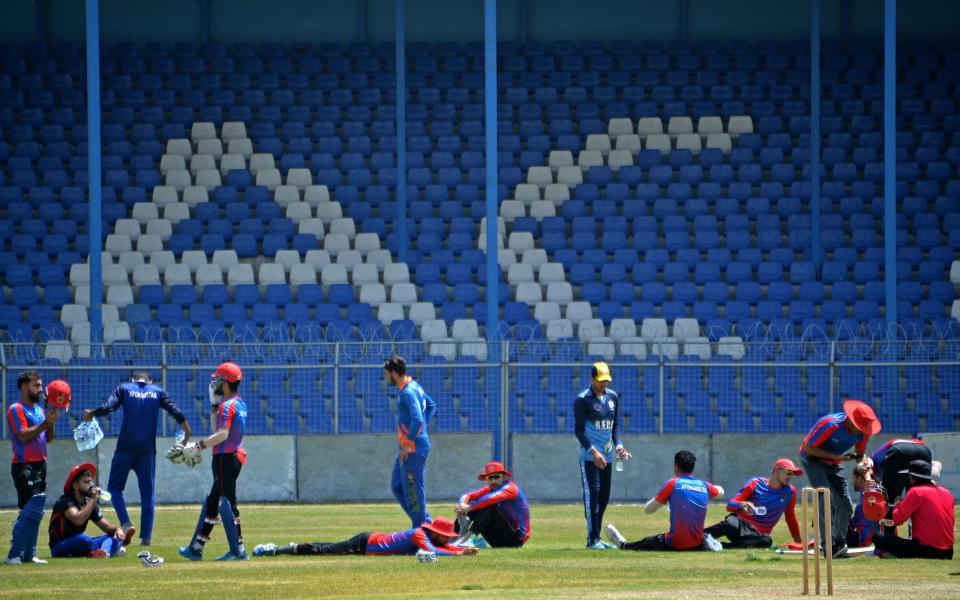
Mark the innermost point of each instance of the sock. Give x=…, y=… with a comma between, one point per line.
x=241, y=549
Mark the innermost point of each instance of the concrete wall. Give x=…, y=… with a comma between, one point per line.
x=357, y=467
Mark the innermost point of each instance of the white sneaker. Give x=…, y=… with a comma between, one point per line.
x=121, y=552
x=38, y=561
x=614, y=535
x=711, y=543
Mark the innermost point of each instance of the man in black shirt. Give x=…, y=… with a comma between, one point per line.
x=75, y=508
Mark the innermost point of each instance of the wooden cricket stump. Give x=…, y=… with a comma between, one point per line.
x=818, y=497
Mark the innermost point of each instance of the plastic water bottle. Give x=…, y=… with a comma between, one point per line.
x=618, y=465
x=87, y=435
x=181, y=434
x=105, y=496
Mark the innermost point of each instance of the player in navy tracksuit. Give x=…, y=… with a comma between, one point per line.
x=136, y=450
x=596, y=413
x=414, y=410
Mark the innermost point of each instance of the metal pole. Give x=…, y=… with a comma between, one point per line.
x=505, y=450
x=816, y=252
x=890, y=162
x=683, y=21
x=336, y=388
x=403, y=242
x=3, y=382
x=163, y=377
x=832, y=370
x=94, y=167
x=662, y=384
x=204, y=21
x=490, y=99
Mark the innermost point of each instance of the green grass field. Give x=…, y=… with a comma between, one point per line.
x=554, y=564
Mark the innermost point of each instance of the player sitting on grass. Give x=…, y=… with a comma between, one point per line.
x=432, y=537
x=498, y=512
x=756, y=510
x=688, y=498
x=871, y=507
x=930, y=508
x=75, y=508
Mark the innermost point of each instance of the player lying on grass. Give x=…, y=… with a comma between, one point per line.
x=688, y=498
x=429, y=537
x=756, y=510
x=77, y=507
x=498, y=512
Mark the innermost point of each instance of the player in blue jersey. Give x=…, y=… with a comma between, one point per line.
x=688, y=498
x=823, y=452
x=498, y=511
x=414, y=410
x=136, y=448
x=228, y=418
x=757, y=508
x=596, y=412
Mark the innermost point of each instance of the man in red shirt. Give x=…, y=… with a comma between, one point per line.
x=930, y=508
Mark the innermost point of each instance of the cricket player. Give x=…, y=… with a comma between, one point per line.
x=414, y=410
x=31, y=427
x=596, y=412
x=688, y=498
x=498, y=511
x=894, y=456
x=871, y=508
x=76, y=507
x=434, y=537
x=228, y=417
x=930, y=508
x=136, y=450
x=757, y=509
x=823, y=452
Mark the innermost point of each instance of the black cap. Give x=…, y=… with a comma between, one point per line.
x=918, y=468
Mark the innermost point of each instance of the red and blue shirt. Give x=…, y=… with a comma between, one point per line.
x=511, y=503
x=779, y=502
x=232, y=416
x=406, y=542
x=830, y=435
x=414, y=410
x=688, y=498
x=862, y=527
x=21, y=417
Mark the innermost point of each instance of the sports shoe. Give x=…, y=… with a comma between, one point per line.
x=128, y=535
x=265, y=550
x=599, y=545
x=98, y=553
x=614, y=535
x=149, y=560
x=711, y=543
x=477, y=541
x=121, y=551
x=38, y=561
x=188, y=553
x=232, y=556
x=13, y=561
x=840, y=551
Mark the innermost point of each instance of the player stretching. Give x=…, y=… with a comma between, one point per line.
x=432, y=537
x=228, y=417
x=414, y=410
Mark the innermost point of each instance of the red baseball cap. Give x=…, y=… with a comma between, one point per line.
x=492, y=468
x=75, y=472
x=862, y=416
x=229, y=371
x=787, y=465
x=442, y=526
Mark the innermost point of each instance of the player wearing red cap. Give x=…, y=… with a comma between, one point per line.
x=32, y=426
x=434, y=537
x=76, y=507
x=228, y=418
x=498, y=512
x=757, y=508
x=823, y=452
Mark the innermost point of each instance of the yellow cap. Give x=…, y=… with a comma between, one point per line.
x=601, y=372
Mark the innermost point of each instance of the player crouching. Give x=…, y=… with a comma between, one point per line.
x=431, y=538
x=77, y=507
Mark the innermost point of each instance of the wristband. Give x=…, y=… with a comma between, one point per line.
x=203, y=444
